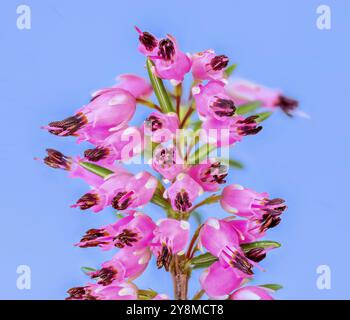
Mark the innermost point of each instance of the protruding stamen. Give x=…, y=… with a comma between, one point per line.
x=68, y=126
x=80, y=293
x=216, y=173
x=105, y=276
x=219, y=62
x=248, y=126
x=223, y=107
x=154, y=123
x=122, y=200
x=269, y=221
x=57, y=160
x=148, y=40
x=96, y=154
x=240, y=262
x=91, y=238
x=166, y=49
x=164, y=258
x=182, y=201
x=126, y=238
x=87, y=201
x=287, y=104
x=256, y=254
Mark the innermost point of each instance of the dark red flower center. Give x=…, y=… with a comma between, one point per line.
x=256, y=254
x=240, y=262
x=166, y=49
x=96, y=154
x=125, y=238
x=287, y=104
x=182, y=201
x=68, y=126
x=219, y=62
x=223, y=107
x=164, y=258
x=57, y=160
x=148, y=40
x=122, y=200
x=248, y=126
x=154, y=123
x=87, y=201
x=105, y=276
x=216, y=173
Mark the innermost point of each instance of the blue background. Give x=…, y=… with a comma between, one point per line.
x=75, y=47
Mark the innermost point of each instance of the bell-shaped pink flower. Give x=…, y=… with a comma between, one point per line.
x=183, y=192
x=207, y=65
x=134, y=231
x=170, y=237
x=248, y=203
x=126, y=264
x=244, y=91
x=114, y=291
x=148, y=43
x=209, y=175
x=252, y=293
x=213, y=101
x=222, y=241
x=109, y=110
x=137, y=86
x=161, y=127
x=170, y=62
x=218, y=281
x=167, y=161
x=230, y=131
x=121, y=145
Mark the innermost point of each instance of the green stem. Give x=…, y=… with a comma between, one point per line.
x=149, y=104
x=198, y=295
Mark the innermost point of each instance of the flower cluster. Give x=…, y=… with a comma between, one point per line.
x=177, y=140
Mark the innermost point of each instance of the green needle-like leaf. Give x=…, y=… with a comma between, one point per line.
x=203, y=261
x=159, y=89
x=262, y=116
x=96, y=169
x=248, y=107
x=87, y=270
x=272, y=286
x=260, y=244
x=229, y=70
x=236, y=164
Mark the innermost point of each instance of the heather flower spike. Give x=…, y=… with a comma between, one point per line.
x=175, y=141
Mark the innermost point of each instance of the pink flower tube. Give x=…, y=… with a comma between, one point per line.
x=207, y=65
x=245, y=91
x=252, y=293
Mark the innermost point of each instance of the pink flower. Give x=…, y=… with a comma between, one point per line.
x=225, y=246
x=114, y=291
x=212, y=101
x=170, y=237
x=245, y=91
x=248, y=230
x=121, y=145
x=137, y=86
x=148, y=43
x=126, y=264
x=207, y=65
x=252, y=293
x=167, y=161
x=218, y=281
x=224, y=133
x=134, y=230
x=57, y=160
x=170, y=62
x=109, y=110
x=183, y=192
x=257, y=206
x=209, y=175
x=161, y=127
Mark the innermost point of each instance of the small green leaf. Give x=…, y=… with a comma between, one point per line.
x=262, y=116
x=96, y=169
x=248, y=107
x=260, y=244
x=229, y=70
x=87, y=270
x=118, y=215
x=272, y=286
x=159, y=89
x=236, y=164
x=203, y=261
